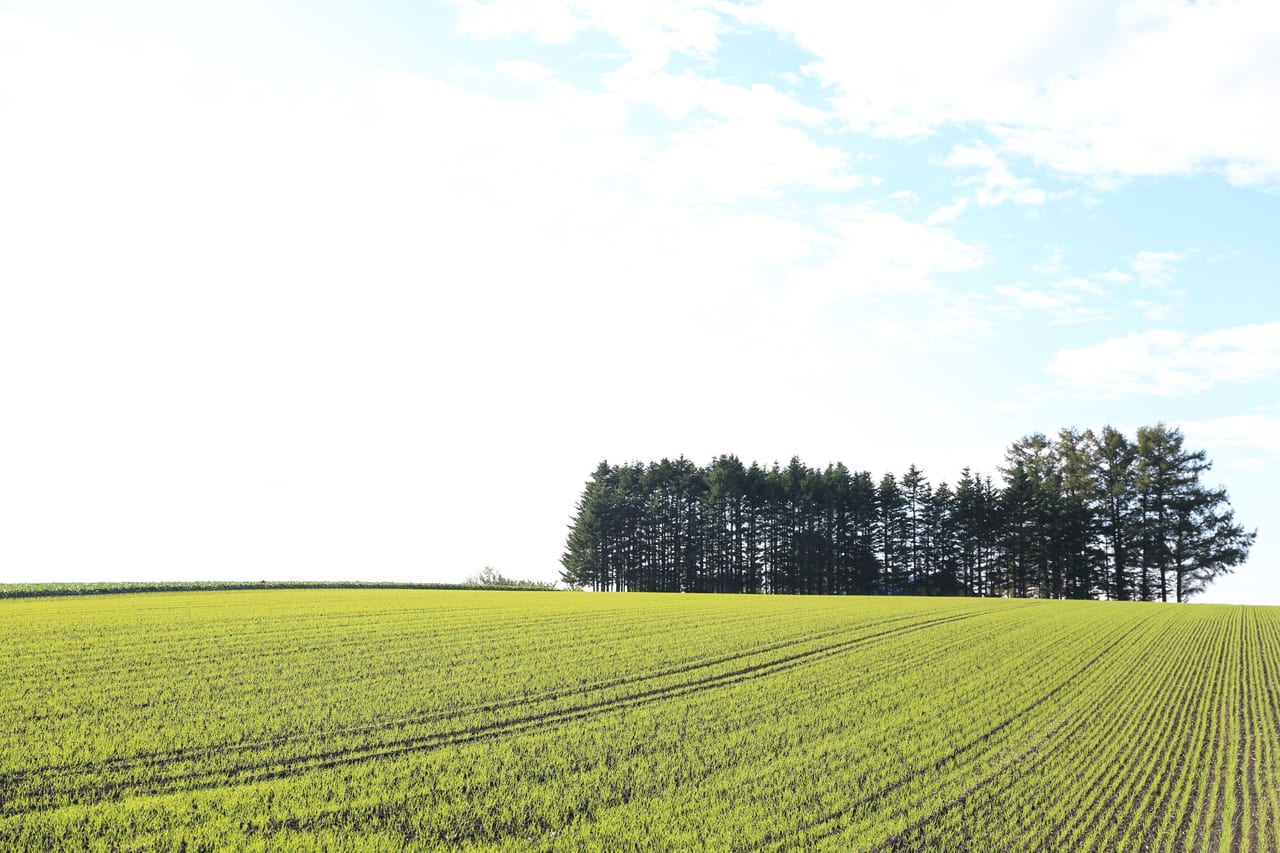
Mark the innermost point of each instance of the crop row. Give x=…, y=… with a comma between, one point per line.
x=155, y=669
x=598, y=722
x=438, y=715
x=205, y=768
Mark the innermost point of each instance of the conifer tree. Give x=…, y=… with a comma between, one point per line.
x=1083, y=516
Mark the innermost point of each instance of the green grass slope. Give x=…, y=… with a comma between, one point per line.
x=380, y=719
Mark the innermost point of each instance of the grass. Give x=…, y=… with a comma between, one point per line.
x=379, y=718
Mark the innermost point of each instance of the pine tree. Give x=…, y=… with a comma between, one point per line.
x=1086, y=515
x=725, y=511
x=889, y=534
x=862, y=500
x=1084, y=570
x=1115, y=458
x=1187, y=530
x=1031, y=501
x=942, y=558
x=915, y=490
x=967, y=515
x=587, y=554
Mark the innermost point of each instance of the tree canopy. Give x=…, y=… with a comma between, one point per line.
x=1084, y=515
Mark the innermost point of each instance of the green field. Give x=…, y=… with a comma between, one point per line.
x=376, y=719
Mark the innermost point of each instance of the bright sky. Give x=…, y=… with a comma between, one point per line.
x=366, y=290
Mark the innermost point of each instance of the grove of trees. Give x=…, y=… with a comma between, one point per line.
x=1088, y=515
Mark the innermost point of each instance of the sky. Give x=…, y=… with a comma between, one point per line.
x=366, y=291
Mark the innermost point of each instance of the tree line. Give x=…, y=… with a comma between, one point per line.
x=1085, y=515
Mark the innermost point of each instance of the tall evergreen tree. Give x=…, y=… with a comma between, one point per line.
x=757, y=515
x=1188, y=533
x=969, y=531
x=863, y=518
x=1115, y=459
x=890, y=534
x=942, y=559
x=1085, y=515
x=1031, y=505
x=583, y=555
x=1084, y=570
x=673, y=525
x=1207, y=541
x=725, y=524
x=915, y=491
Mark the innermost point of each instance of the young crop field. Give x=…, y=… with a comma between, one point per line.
x=389, y=718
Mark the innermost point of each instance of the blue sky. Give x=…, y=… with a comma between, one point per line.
x=319, y=290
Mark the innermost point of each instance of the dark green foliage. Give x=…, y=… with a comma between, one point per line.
x=1187, y=531
x=1083, y=516
x=43, y=590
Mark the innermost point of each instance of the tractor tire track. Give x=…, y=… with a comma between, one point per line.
x=279, y=769
x=161, y=758
x=891, y=843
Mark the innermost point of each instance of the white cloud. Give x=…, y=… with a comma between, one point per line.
x=267, y=321
x=550, y=21
x=1029, y=196
x=1096, y=90
x=997, y=184
x=526, y=71
x=677, y=95
x=648, y=29
x=1024, y=297
x=934, y=327
x=1053, y=262
x=747, y=150
x=1011, y=406
x=1093, y=89
x=1087, y=286
x=1155, y=269
x=1140, y=363
x=1169, y=363
x=759, y=102
x=734, y=160
x=948, y=212
x=1252, y=433
x=1074, y=299
x=1069, y=301
x=1155, y=312
x=877, y=252
x=1064, y=307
